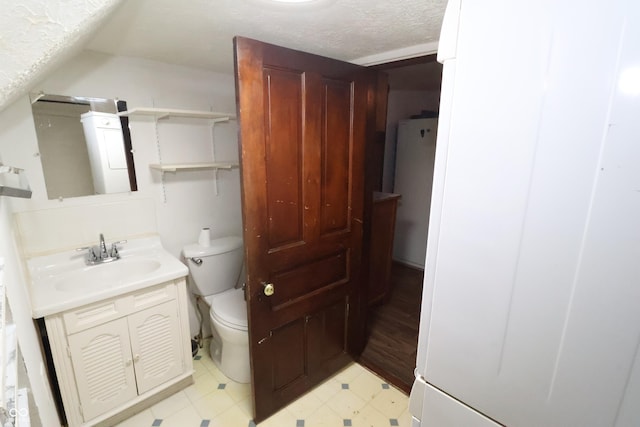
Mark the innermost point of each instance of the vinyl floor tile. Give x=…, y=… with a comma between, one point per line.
x=353, y=397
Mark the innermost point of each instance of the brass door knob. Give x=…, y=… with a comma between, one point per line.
x=269, y=289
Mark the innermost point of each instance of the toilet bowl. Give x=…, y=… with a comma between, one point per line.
x=230, y=339
x=214, y=271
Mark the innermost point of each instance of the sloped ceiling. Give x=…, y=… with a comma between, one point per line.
x=199, y=33
x=36, y=35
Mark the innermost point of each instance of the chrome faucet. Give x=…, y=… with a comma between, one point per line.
x=100, y=254
x=103, y=247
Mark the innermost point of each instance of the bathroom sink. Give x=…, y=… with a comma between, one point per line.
x=106, y=275
x=62, y=281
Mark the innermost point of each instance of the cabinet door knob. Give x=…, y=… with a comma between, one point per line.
x=136, y=358
x=128, y=362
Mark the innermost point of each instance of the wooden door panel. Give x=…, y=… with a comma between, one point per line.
x=283, y=132
x=327, y=335
x=307, y=306
x=337, y=105
x=302, y=352
x=289, y=362
x=309, y=279
x=303, y=121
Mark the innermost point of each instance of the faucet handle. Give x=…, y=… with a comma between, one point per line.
x=114, y=247
x=92, y=254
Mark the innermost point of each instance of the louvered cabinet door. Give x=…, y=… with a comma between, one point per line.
x=156, y=345
x=101, y=358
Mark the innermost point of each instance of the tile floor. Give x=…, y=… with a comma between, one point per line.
x=353, y=397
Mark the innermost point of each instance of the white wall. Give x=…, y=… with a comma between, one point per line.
x=402, y=105
x=13, y=127
x=415, y=153
x=186, y=202
x=191, y=202
x=21, y=309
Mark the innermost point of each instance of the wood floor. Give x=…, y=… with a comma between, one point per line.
x=393, y=329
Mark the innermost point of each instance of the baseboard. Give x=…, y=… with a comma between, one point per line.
x=409, y=264
x=391, y=379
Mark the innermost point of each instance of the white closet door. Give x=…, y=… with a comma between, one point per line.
x=156, y=345
x=101, y=359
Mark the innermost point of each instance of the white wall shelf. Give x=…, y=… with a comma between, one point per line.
x=174, y=167
x=13, y=182
x=212, y=118
x=161, y=113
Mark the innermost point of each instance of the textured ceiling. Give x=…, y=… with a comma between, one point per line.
x=38, y=35
x=199, y=33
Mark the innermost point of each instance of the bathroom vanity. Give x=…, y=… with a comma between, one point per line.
x=118, y=332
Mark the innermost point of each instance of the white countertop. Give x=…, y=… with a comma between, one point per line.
x=47, y=271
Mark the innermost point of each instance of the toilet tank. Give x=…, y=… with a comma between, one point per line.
x=220, y=267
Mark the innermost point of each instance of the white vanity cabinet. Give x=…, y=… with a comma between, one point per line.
x=120, y=353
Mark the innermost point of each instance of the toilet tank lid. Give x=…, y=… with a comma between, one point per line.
x=216, y=247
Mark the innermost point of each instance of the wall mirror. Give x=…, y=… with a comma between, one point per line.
x=84, y=146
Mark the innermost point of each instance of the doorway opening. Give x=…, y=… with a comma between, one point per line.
x=393, y=321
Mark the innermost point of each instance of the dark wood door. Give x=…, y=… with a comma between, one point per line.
x=303, y=122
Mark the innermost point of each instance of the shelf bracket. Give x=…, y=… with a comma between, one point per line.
x=159, y=150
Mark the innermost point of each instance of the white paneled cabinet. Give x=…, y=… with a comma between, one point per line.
x=116, y=355
x=155, y=345
x=102, y=362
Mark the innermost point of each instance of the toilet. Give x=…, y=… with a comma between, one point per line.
x=214, y=271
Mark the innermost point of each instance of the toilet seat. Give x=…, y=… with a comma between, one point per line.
x=229, y=308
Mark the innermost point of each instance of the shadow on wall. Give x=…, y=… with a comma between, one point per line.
x=401, y=247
